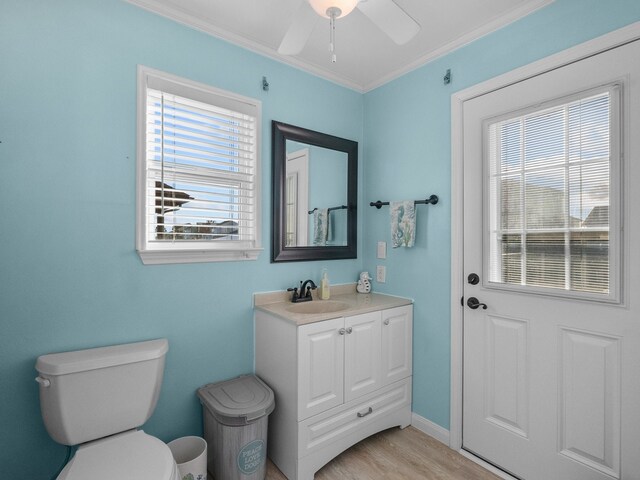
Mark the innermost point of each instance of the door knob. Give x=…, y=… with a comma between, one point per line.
x=474, y=303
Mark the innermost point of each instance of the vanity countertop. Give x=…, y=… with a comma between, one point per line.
x=279, y=304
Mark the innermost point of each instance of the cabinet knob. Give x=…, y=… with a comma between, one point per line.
x=342, y=331
x=349, y=329
x=386, y=322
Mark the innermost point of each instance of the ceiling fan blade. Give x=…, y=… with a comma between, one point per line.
x=300, y=30
x=391, y=19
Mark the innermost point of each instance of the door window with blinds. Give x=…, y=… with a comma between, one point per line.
x=553, y=197
x=198, y=172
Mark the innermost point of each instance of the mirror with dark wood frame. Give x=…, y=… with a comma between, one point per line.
x=314, y=195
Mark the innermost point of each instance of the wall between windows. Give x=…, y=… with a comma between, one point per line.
x=70, y=277
x=407, y=126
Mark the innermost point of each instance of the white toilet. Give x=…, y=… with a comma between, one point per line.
x=97, y=399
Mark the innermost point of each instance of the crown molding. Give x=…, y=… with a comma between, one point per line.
x=201, y=25
x=192, y=21
x=486, y=29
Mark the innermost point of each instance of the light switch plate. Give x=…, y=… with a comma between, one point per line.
x=382, y=249
x=381, y=273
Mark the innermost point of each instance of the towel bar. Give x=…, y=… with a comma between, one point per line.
x=341, y=207
x=433, y=199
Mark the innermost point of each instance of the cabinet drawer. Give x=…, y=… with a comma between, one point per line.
x=331, y=426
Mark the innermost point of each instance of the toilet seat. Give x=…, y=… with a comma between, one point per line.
x=132, y=455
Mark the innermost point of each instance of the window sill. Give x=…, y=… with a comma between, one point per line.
x=160, y=257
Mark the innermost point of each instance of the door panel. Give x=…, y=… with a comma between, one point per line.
x=550, y=386
x=397, y=343
x=507, y=374
x=590, y=389
x=362, y=354
x=321, y=366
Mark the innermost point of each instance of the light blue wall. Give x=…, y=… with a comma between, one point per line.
x=69, y=274
x=408, y=155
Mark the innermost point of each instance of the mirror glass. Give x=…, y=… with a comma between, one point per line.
x=314, y=195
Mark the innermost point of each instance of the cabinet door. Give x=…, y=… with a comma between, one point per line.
x=397, y=340
x=321, y=366
x=362, y=354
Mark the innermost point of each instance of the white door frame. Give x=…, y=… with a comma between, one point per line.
x=584, y=50
x=300, y=165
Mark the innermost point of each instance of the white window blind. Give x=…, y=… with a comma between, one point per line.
x=550, y=196
x=200, y=169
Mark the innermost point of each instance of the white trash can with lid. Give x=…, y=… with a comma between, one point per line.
x=236, y=414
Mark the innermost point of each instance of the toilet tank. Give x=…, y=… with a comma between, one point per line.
x=90, y=394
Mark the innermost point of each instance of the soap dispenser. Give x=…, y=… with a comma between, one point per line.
x=325, y=289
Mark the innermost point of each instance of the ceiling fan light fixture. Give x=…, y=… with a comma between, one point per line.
x=385, y=14
x=324, y=8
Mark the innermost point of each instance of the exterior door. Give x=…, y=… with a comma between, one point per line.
x=551, y=327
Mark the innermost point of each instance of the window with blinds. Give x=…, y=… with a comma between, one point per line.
x=552, y=214
x=198, y=172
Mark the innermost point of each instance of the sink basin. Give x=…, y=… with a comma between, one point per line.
x=317, y=306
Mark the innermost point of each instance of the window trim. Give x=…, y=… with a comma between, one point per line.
x=153, y=254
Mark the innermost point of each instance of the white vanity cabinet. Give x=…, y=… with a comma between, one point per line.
x=336, y=382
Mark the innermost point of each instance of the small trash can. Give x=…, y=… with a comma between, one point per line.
x=236, y=414
x=190, y=454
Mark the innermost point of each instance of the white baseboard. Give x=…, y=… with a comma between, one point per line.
x=430, y=428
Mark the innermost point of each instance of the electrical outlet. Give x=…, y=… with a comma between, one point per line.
x=382, y=249
x=381, y=273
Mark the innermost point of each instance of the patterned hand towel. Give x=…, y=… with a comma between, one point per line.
x=320, y=226
x=403, y=223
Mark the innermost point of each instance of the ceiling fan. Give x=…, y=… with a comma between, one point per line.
x=385, y=14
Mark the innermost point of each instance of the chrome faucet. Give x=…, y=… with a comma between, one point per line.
x=304, y=294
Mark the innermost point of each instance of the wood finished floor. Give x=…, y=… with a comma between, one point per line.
x=397, y=455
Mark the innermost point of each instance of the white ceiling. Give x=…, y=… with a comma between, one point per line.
x=366, y=57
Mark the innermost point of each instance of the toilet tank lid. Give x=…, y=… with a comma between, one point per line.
x=94, y=358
